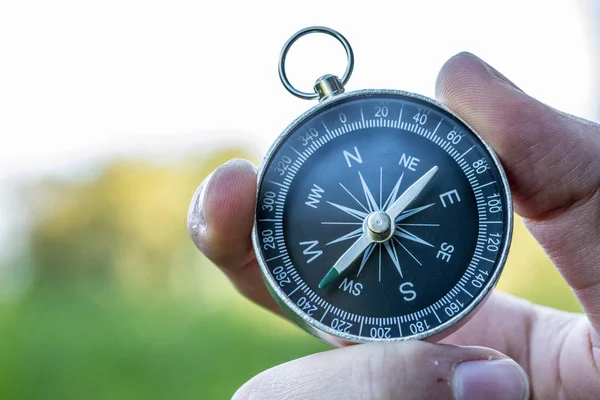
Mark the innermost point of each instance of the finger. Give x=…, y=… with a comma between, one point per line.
x=526, y=333
x=220, y=222
x=552, y=161
x=409, y=370
x=504, y=323
x=553, y=347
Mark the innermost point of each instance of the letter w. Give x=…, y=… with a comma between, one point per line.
x=314, y=196
x=309, y=250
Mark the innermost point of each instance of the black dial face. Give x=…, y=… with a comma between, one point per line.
x=381, y=216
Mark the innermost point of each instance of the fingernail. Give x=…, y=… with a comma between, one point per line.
x=490, y=380
x=196, y=212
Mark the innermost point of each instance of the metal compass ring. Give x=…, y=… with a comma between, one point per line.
x=298, y=35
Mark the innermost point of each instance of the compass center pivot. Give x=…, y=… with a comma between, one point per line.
x=379, y=226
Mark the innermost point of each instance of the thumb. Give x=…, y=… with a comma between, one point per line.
x=407, y=370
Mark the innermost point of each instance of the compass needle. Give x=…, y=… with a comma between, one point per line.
x=346, y=260
x=380, y=215
x=396, y=208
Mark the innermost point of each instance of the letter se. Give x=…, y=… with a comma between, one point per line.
x=445, y=252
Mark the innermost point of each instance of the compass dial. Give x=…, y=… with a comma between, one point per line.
x=380, y=216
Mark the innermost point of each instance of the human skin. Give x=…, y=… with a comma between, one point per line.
x=511, y=349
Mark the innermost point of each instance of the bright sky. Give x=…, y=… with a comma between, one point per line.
x=80, y=81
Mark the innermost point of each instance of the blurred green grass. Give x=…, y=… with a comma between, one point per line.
x=63, y=345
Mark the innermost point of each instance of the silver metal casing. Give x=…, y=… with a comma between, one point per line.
x=338, y=338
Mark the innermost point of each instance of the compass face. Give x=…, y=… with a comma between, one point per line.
x=349, y=245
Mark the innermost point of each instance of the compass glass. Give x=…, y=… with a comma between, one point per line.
x=349, y=246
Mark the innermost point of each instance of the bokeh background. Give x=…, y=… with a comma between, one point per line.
x=111, y=113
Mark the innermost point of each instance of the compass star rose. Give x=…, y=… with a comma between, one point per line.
x=368, y=206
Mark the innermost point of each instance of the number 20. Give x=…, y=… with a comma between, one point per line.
x=381, y=111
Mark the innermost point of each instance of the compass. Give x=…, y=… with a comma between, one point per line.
x=380, y=214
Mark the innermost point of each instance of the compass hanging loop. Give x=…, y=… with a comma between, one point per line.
x=327, y=85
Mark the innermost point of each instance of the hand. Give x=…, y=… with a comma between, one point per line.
x=553, y=164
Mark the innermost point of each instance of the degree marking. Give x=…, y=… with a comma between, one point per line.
x=294, y=291
x=400, y=116
x=361, y=326
x=279, y=184
x=296, y=151
x=438, y=318
x=275, y=258
x=322, y=317
x=438, y=125
x=465, y=290
x=484, y=185
x=463, y=154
